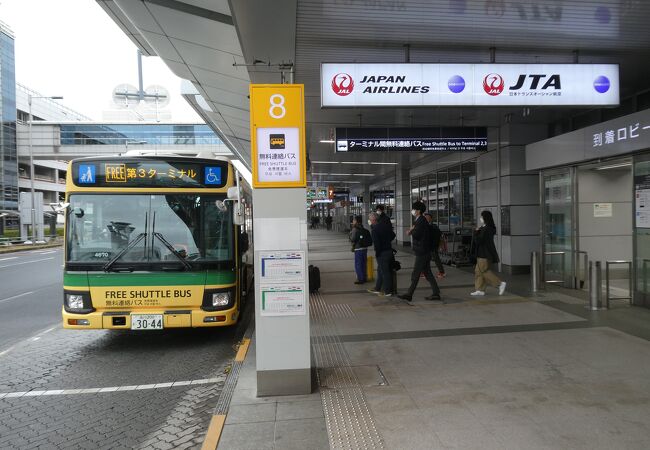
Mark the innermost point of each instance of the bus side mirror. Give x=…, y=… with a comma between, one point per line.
x=234, y=194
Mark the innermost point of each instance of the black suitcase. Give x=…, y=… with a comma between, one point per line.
x=314, y=278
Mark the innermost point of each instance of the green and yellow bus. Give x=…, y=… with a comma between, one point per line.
x=152, y=242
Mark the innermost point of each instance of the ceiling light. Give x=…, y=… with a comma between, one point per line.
x=340, y=182
x=327, y=141
x=614, y=166
x=355, y=162
x=383, y=163
x=324, y=162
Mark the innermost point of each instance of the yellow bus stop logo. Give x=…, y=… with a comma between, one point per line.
x=115, y=173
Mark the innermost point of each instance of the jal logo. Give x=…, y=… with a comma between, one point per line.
x=493, y=84
x=601, y=84
x=535, y=80
x=342, y=84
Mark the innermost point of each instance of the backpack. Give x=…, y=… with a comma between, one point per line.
x=436, y=234
x=365, y=240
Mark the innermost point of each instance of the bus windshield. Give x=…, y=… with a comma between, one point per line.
x=169, y=229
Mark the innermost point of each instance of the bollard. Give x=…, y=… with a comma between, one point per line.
x=595, y=286
x=370, y=268
x=534, y=272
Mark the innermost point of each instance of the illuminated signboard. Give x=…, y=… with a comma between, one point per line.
x=367, y=85
x=134, y=173
x=317, y=193
x=442, y=139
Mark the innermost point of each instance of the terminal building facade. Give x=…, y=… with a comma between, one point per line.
x=565, y=210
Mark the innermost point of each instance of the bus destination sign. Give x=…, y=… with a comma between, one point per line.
x=149, y=173
x=445, y=139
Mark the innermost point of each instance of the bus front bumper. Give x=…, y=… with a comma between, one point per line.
x=122, y=320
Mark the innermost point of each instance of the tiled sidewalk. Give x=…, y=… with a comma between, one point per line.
x=490, y=373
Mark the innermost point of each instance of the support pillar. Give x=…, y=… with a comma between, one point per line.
x=283, y=355
x=402, y=212
x=366, y=202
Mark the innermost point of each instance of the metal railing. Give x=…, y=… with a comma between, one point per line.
x=581, y=274
x=563, y=254
x=607, y=278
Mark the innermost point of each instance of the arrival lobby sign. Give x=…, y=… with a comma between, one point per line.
x=410, y=84
x=278, y=135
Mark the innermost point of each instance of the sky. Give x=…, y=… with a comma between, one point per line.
x=74, y=49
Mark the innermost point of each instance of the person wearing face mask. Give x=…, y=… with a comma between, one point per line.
x=486, y=254
x=421, y=234
x=382, y=216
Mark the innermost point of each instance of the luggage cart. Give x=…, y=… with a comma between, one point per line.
x=456, y=246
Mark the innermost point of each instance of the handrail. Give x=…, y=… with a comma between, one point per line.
x=563, y=254
x=612, y=262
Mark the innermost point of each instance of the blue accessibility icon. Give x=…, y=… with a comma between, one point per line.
x=212, y=175
x=86, y=174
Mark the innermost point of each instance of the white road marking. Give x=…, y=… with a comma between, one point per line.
x=47, y=252
x=16, y=296
x=39, y=334
x=27, y=262
x=7, y=259
x=142, y=387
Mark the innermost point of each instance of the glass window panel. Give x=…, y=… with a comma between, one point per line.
x=101, y=226
x=442, y=187
x=469, y=194
x=455, y=197
x=433, y=197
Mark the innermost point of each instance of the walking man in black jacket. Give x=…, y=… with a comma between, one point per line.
x=382, y=236
x=421, y=234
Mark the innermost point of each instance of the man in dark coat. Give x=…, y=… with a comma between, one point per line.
x=421, y=234
x=436, y=235
x=382, y=236
x=382, y=216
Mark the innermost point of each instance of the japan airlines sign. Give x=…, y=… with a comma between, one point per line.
x=367, y=85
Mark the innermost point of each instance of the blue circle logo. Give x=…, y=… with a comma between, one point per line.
x=601, y=84
x=456, y=84
x=603, y=15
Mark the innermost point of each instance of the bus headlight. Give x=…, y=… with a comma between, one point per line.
x=220, y=298
x=74, y=301
x=77, y=302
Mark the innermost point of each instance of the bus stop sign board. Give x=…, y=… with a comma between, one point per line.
x=278, y=135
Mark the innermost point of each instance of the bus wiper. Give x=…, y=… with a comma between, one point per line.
x=171, y=248
x=133, y=243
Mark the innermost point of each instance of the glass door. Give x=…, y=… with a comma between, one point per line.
x=557, y=226
x=641, y=295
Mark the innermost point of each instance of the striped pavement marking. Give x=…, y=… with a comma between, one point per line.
x=141, y=387
x=212, y=436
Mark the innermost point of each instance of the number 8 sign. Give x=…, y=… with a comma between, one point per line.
x=278, y=135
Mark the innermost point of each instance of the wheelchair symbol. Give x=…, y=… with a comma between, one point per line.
x=212, y=177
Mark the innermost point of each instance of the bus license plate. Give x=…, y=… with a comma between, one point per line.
x=146, y=322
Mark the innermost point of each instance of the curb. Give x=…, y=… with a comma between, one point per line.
x=218, y=420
